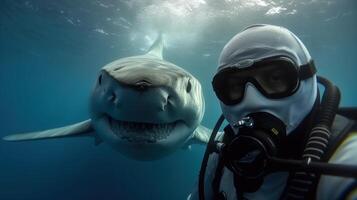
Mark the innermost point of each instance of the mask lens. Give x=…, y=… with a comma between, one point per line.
x=277, y=79
x=229, y=88
x=236, y=88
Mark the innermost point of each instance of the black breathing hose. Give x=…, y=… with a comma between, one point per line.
x=317, y=142
x=320, y=133
x=210, y=148
x=330, y=102
x=349, y=171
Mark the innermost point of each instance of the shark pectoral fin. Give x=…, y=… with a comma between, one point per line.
x=79, y=129
x=201, y=135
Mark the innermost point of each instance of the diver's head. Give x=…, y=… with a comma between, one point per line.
x=266, y=68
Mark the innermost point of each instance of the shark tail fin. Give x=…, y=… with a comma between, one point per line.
x=78, y=129
x=157, y=47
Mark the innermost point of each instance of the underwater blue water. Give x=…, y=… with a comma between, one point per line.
x=51, y=53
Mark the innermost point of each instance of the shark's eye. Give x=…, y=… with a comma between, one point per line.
x=100, y=79
x=189, y=86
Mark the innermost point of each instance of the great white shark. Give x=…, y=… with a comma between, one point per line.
x=142, y=106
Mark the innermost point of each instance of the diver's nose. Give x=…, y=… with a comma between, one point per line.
x=142, y=85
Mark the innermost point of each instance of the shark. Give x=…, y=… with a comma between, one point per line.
x=143, y=106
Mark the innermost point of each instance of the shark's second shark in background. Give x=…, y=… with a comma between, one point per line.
x=143, y=106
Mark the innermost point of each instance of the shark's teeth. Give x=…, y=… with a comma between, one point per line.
x=141, y=132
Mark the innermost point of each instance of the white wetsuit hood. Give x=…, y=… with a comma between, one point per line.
x=260, y=42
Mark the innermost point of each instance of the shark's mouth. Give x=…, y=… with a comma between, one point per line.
x=142, y=132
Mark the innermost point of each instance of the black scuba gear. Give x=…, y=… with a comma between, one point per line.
x=254, y=152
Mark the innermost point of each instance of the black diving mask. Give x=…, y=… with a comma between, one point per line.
x=275, y=77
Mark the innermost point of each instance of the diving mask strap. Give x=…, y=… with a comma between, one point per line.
x=308, y=70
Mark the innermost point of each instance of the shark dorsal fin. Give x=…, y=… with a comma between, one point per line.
x=156, y=49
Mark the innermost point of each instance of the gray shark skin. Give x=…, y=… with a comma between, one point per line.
x=142, y=106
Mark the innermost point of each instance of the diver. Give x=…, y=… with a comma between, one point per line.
x=282, y=141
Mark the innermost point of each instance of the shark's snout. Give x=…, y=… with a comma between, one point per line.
x=143, y=73
x=142, y=85
x=139, y=101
